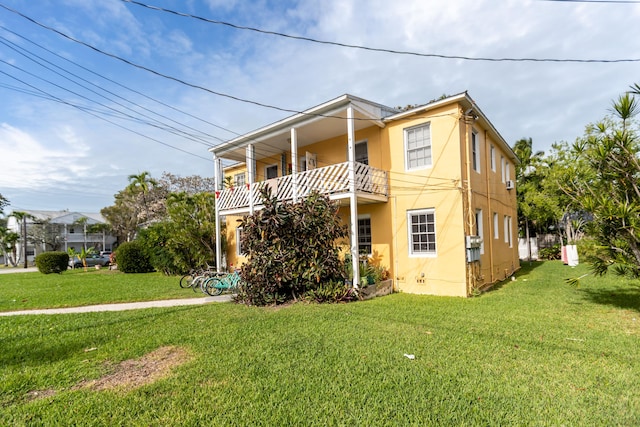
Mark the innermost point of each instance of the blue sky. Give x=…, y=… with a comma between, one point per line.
x=65, y=146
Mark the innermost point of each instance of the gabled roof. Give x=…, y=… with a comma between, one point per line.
x=323, y=121
x=328, y=120
x=469, y=106
x=64, y=217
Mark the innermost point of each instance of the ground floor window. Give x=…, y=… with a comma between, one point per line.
x=239, y=247
x=364, y=235
x=422, y=232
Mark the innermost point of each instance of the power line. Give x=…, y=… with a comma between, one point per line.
x=124, y=87
x=160, y=74
x=383, y=50
x=88, y=111
x=595, y=1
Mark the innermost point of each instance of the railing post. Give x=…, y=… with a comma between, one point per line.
x=353, y=199
x=294, y=163
x=250, y=161
x=217, y=167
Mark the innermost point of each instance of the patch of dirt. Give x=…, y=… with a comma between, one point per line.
x=40, y=394
x=130, y=374
x=134, y=373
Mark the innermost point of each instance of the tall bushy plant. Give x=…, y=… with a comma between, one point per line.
x=132, y=258
x=291, y=248
x=52, y=262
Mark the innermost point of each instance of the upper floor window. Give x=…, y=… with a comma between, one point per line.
x=475, y=151
x=493, y=158
x=422, y=232
x=417, y=142
x=362, y=153
x=502, y=169
x=238, y=180
x=271, y=172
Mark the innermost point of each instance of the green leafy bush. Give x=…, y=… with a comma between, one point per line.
x=52, y=262
x=550, y=253
x=291, y=248
x=132, y=258
x=331, y=292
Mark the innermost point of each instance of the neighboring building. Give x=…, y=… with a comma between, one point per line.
x=64, y=230
x=428, y=192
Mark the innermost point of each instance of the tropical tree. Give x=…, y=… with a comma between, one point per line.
x=21, y=218
x=187, y=238
x=141, y=184
x=603, y=182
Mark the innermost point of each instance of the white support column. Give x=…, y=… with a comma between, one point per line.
x=294, y=163
x=353, y=199
x=217, y=167
x=250, y=160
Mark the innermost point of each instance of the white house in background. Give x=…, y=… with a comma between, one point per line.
x=69, y=230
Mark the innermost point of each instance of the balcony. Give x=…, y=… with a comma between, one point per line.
x=371, y=186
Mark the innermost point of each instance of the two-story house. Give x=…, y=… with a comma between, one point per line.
x=427, y=192
x=60, y=231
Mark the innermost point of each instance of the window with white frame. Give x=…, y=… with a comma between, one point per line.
x=493, y=158
x=480, y=228
x=362, y=152
x=238, y=179
x=496, y=226
x=417, y=143
x=502, y=169
x=271, y=172
x=507, y=171
x=422, y=232
x=475, y=151
x=507, y=230
x=239, y=247
x=364, y=235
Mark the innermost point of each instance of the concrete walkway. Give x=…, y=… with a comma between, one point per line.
x=123, y=306
x=111, y=307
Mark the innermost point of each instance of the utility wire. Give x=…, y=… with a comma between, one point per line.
x=160, y=74
x=375, y=49
x=87, y=111
x=169, y=77
x=595, y=1
x=124, y=86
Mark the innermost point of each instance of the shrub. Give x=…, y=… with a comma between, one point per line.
x=132, y=258
x=550, y=253
x=291, y=248
x=331, y=292
x=52, y=262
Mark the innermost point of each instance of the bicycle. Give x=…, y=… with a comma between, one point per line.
x=196, y=278
x=217, y=284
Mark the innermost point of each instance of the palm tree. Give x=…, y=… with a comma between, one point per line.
x=21, y=217
x=142, y=183
x=525, y=178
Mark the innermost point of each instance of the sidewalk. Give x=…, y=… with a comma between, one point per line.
x=18, y=270
x=123, y=306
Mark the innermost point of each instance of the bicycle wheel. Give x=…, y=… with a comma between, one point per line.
x=196, y=284
x=185, y=281
x=210, y=287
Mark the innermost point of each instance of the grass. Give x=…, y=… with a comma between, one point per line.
x=533, y=352
x=23, y=291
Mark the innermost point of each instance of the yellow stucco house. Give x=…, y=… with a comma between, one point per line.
x=428, y=192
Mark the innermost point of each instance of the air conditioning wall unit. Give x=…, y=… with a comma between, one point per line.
x=510, y=184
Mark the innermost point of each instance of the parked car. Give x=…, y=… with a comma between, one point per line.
x=92, y=260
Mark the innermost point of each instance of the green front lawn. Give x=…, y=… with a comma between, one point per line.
x=24, y=291
x=533, y=352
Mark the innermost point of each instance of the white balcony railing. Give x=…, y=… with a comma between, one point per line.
x=330, y=180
